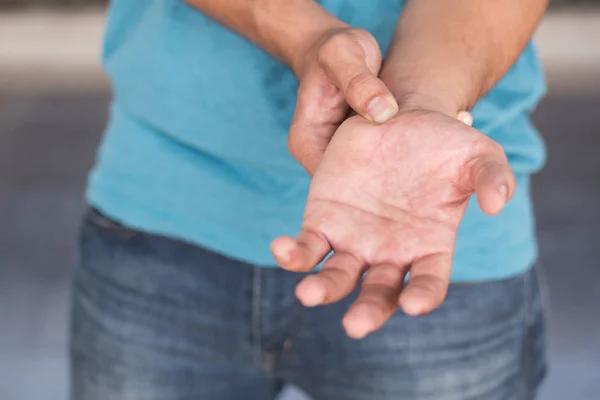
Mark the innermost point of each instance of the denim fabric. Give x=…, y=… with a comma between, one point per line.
x=159, y=319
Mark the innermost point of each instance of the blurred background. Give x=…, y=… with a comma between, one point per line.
x=53, y=108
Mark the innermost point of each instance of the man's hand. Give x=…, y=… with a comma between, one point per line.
x=337, y=65
x=337, y=71
x=388, y=199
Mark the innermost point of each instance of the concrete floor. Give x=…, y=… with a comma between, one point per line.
x=47, y=144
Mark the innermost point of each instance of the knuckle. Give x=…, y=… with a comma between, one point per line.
x=363, y=35
x=293, y=146
x=381, y=302
x=489, y=146
x=341, y=274
x=496, y=148
x=358, y=84
x=486, y=152
x=339, y=43
x=327, y=48
x=330, y=48
x=386, y=274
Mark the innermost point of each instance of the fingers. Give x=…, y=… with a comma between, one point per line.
x=307, y=145
x=301, y=254
x=339, y=276
x=347, y=67
x=320, y=108
x=494, y=182
x=376, y=302
x=427, y=285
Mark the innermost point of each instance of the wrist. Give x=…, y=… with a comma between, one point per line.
x=293, y=29
x=442, y=103
x=436, y=90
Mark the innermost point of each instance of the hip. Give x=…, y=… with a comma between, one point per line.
x=146, y=302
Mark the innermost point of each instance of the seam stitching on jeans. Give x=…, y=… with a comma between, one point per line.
x=525, y=338
x=529, y=314
x=256, y=299
x=544, y=289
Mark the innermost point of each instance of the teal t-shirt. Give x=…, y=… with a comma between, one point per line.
x=196, y=144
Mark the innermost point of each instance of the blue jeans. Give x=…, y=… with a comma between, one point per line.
x=159, y=319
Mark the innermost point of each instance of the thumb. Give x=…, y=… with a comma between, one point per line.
x=494, y=182
x=362, y=89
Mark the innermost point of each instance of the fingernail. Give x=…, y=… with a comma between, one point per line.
x=503, y=190
x=465, y=117
x=381, y=110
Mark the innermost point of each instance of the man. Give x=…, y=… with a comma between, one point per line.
x=176, y=296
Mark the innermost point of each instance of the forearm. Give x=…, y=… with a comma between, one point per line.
x=448, y=53
x=282, y=28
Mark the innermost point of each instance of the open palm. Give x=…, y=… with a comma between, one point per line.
x=388, y=199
